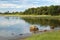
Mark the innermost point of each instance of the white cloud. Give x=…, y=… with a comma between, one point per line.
x=55, y=2
x=9, y=5
x=24, y=4
x=5, y=22
x=16, y=6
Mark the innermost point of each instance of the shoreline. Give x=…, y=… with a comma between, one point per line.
x=17, y=37
x=20, y=37
x=31, y=16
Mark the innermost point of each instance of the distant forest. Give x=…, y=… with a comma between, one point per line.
x=44, y=10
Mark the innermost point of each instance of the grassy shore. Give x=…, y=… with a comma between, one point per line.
x=41, y=16
x=46, y=36
x=32, y=15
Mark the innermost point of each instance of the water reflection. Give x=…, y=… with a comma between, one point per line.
x=53, y=23
x=11, y=26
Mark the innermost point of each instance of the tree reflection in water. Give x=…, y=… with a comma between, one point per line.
x=44, y=22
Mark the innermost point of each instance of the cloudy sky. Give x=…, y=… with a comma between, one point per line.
x=21, y=5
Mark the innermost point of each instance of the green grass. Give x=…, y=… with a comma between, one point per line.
x=41, y=16
x=46, y=36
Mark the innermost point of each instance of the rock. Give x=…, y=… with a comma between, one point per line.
x=33, y=28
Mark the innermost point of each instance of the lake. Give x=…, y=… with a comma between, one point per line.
x=12, y=26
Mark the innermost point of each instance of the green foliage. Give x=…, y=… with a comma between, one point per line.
x=43, y=21
x=46, y=36
x=46, y=10
x=51, y=10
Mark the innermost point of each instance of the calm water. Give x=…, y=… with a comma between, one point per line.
x=11, y=26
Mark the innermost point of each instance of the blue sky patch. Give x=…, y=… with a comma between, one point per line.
x=21, y=5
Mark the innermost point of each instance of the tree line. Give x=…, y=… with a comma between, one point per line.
x=44, y=10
